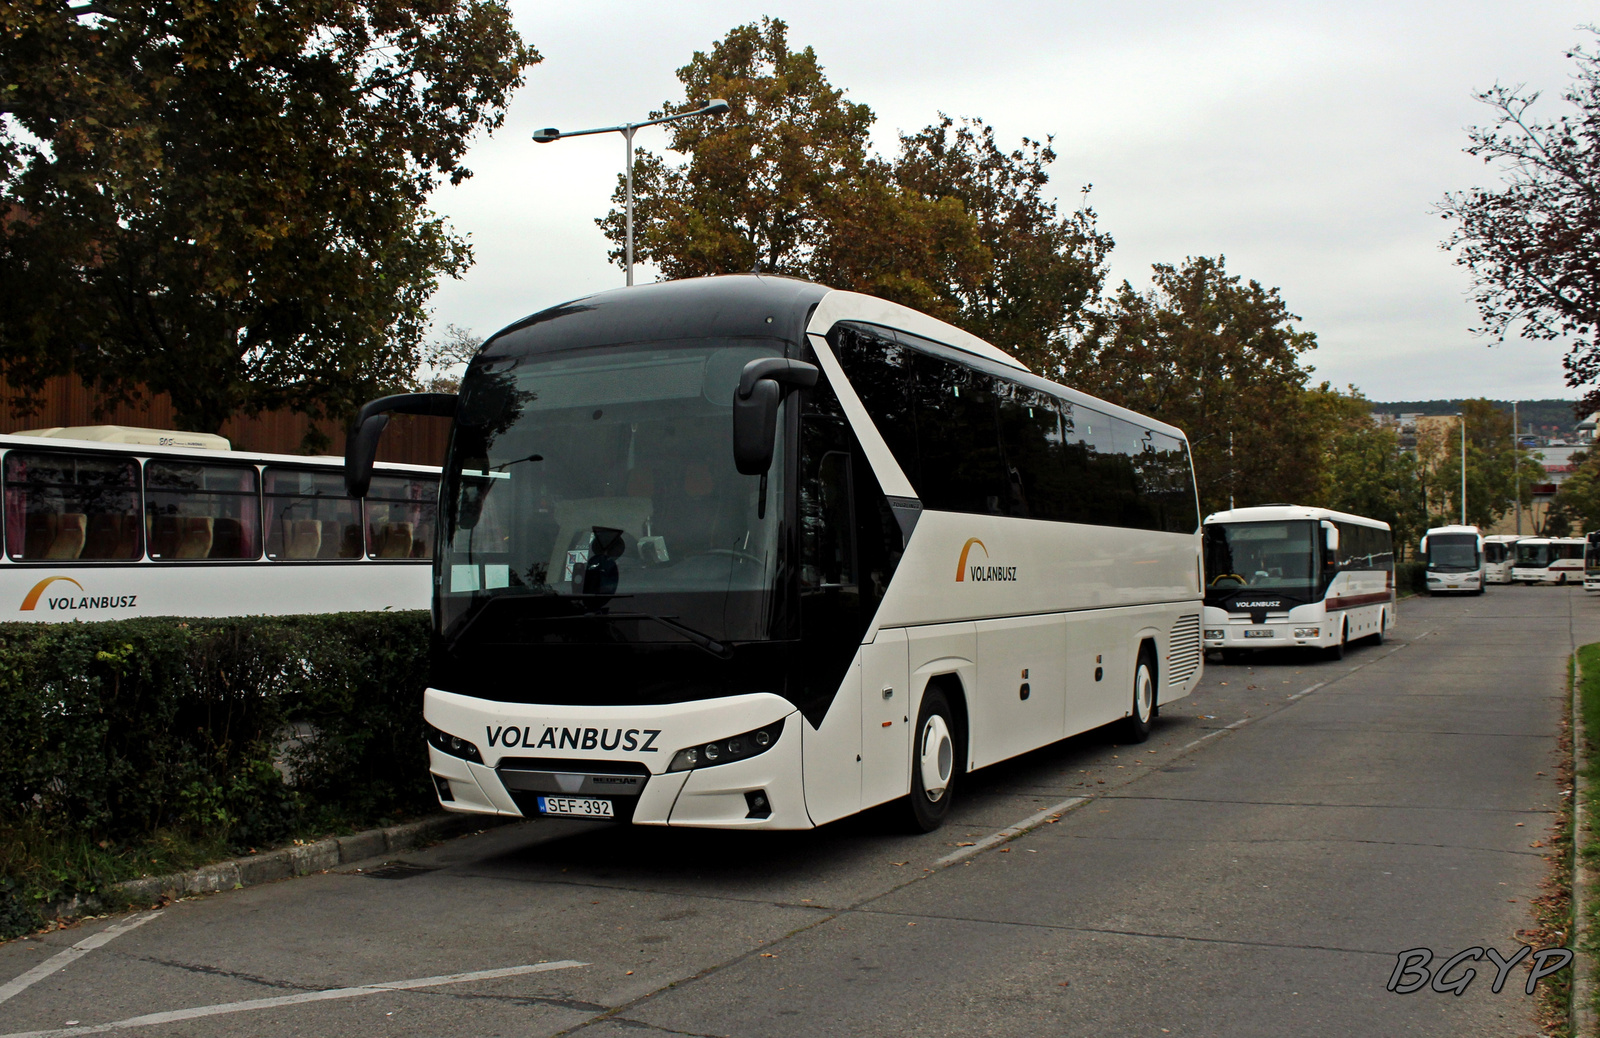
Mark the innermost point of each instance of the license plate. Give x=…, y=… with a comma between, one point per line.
x=581, y=807
x=1258, y=634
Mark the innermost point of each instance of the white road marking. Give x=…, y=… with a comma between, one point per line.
x=1307, y=691
x=1189, y=746
x=177, y=1015
x=989, y=841
x=72, y=954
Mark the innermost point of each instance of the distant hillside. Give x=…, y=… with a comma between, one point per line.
x=1542, y=413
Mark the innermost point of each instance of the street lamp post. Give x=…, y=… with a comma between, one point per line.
x=713, y=107
x=1463, y=418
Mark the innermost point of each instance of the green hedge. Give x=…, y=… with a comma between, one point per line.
x=231, y=733
x=1411, y=578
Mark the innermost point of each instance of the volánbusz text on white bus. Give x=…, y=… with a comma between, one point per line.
x=750, y=553
x=1287, y=575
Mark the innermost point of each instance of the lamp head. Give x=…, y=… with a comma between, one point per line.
x=546, y=135
x=715, y=106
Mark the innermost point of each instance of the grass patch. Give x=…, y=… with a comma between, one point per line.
x=1588, y=854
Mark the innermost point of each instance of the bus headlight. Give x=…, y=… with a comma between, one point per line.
x=454, y=745
x=1214, y=635
x=1308, y=632
x=726, y=751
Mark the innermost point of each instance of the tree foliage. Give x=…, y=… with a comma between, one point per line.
x=1495, y=469
x=1533, y=243
x=1222, y=360
x=225, y=200
x=954, y=225
x=1362, y=469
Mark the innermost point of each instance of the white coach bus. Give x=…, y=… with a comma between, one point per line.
x=1549, y=560
x=1455, y=558
x=747, y=552
x=1499, y=557
x=109, y=523
x=1284, y=575
x=1591, y=561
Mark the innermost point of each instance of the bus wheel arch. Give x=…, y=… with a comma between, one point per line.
x=940, y=724
x=1146, y=701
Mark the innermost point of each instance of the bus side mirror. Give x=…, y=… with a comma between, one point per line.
x=1330, y=535
x=1423, y=547
x=762, y=387
x=361, y=448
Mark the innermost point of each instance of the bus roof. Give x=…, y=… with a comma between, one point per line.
x=1270, y=513
x=752, y=306
x=17, y=441
x=1453, y=528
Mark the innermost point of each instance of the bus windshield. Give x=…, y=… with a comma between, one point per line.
x=600, y=483
x=1276, y=556
x=1533, y=554
x=1452, y=552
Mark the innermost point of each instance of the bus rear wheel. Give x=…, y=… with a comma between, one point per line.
x=933, y=764
x=1136, y=727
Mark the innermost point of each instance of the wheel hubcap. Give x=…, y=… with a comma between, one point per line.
x=936, y=757
x=1144, y=693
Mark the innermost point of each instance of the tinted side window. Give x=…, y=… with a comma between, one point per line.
x=958, y=440
x=1031, y=447
x=309, y=516
x=402, y=512
x=72, y=506
x=199, y=511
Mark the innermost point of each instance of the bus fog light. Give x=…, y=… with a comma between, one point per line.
x=1307, y=632
x=724, y=751
x=1214, y=635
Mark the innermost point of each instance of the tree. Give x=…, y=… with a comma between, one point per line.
x=1533, y=244
x=1579, y=496
x=955, y=226
x=1220, y=360
x=1363, y=470
x=445, y=359
x=1495, y=467
x=225, y=200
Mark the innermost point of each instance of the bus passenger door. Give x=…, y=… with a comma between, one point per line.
x=885, y=718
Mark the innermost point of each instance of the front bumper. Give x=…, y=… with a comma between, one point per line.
x=1467, y=582
x=620, y=754
x=1274, y=634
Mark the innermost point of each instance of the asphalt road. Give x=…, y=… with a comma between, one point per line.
x=1252, y=870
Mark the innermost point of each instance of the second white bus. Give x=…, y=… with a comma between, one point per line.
x=1279, y=576
x=1455, y=560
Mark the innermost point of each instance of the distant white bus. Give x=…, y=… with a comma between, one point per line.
x=1591, y=562
x=110, y=523
x=1549, y=560
x=1499, y=556
x=1285, y=575
x=1455, y=560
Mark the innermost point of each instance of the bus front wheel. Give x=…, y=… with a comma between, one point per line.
x=1336, y=650
x=1136, y=728
x=933, y=764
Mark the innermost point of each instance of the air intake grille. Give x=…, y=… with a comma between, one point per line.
x=1183, y=650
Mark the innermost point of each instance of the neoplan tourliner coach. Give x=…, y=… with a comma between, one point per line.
x=750, y=553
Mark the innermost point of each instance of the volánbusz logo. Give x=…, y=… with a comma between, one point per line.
x=30, y=601
x=641, y=740
x=1265, y=603
x=965, y=571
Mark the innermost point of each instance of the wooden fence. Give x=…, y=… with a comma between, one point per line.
x=66, y=401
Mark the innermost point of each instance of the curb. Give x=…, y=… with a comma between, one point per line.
x=1583, y=878
x=300, y=860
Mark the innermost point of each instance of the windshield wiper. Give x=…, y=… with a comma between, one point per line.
x=703, y=641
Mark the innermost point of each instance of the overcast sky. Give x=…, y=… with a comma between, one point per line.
x=1306, y=142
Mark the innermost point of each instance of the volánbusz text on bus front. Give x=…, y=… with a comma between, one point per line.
x=747, y=552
